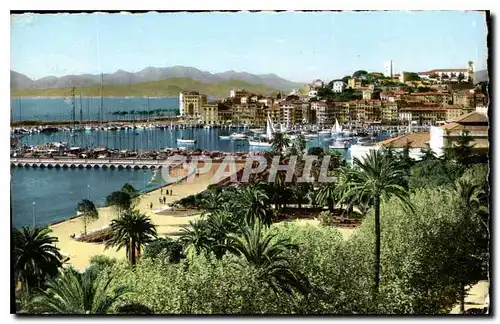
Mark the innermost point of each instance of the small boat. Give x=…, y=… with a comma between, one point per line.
x=311, y=135
x=325, y=132
x=238, y=136
x=186, y=141
x=207, y=127
x=338, y=146
x=88, y=128
x=224, y=138
x=259, y=144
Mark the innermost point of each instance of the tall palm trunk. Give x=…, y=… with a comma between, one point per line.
x=330, y=205
x=377, y=249
x=462, y=297
x=132, y=251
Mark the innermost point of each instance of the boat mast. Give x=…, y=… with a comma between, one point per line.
x=102, y=105
x=20, y=110
x=73, y=104
x=81, y=110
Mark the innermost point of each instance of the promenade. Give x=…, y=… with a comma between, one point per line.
x=81, y=252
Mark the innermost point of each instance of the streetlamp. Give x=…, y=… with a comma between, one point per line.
x=34, y=219
x=88, y=192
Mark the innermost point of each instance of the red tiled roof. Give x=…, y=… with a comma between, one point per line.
x=449, y=70
x=472, y=117
x=423, y=108
x=426, y=93
x=414, y=140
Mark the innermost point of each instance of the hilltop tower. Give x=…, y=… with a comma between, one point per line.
x=388, y=68
x=471, y=71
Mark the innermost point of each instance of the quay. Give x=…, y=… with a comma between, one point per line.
x=74, y=163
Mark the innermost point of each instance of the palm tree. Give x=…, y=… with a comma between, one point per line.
x=475, y=214
x=280, y=142
x=79, y=293
x=327, y=194
x=300, y=143
x=195, y=238
x=131, y=231
x=253, y=204
x=213, y=201
x=88, y=212
x=268, y=255
x=35, y=256
x=377, y=177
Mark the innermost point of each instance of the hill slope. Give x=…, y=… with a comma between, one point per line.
x=163, y=88
x=20, y=81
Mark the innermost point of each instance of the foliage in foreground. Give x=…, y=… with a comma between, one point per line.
x=419, y=274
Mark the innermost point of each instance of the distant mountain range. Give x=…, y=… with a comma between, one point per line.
x=162, y=88
x=22, y=82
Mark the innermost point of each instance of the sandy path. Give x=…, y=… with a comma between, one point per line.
x=81, y=252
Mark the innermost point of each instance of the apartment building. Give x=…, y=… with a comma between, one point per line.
x=245, y=113
x=469, y=98
x=225, y=113
x=324, y=112
x=475, y=123
x=423, y=115
x=291, y=112
x=441, y=98
x=210, y=113
x=274, y=112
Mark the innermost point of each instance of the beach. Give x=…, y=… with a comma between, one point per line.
x=79, y=253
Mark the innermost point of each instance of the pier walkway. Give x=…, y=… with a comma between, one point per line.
x=73, y=163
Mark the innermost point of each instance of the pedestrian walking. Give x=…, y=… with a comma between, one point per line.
x=164, y=200
x=171, y=192
x=151, y=205
x=159, y=199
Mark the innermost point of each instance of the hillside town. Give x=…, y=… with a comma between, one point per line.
x=418, y=98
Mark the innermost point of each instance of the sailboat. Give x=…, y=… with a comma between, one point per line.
x=269, y=135
x=336, y=129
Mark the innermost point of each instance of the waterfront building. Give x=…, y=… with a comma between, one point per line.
x=291, y=112
x=324, y=112
x=224, y=113
x=389, y=112
x=192, y=103
x=425, y=115
x=475, y=123
x=274, y=112
x=210, y=113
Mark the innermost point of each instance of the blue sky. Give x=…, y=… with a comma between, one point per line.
x=294, y=45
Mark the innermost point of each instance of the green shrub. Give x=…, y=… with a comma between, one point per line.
x=325, y=218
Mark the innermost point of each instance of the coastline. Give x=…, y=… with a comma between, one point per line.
x=79, y=253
